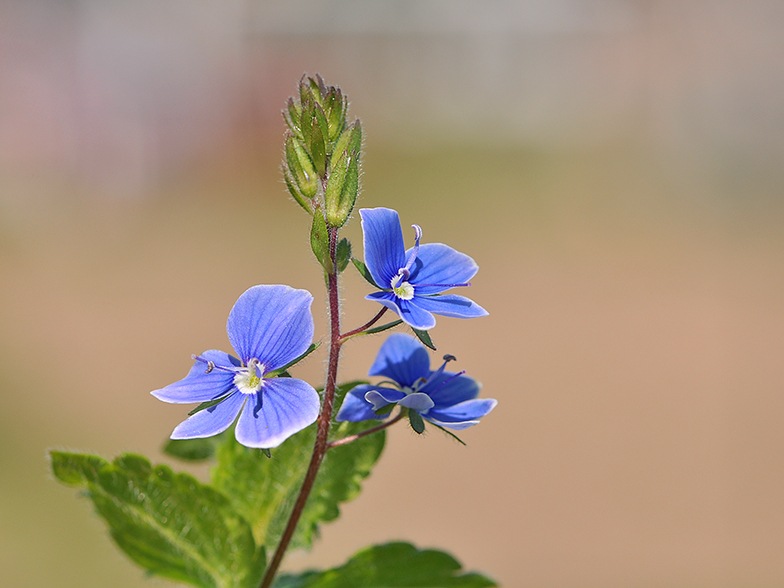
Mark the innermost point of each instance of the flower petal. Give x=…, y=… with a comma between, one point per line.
x=272, y=324
x=210, y=421
x=454, y=426
x=383, y=244
x=284, y=406
x=454, y=391
x=411, y=314
x=418, y=402
x=462, y=413
x=198, y=385
x=401, y=359
x=449, y=305
x=437, y=263
x=380, y=396
x=355, y=408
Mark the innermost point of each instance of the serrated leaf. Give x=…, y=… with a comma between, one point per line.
x=424, y=337
x=264, y=490
x=343, y=254
x=170, y=524
x=191, y=449
x=364, y=272
x=393, y=565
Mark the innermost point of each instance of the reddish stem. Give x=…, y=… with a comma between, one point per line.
x=367, y=325
x=376, y=429
x=324, y=420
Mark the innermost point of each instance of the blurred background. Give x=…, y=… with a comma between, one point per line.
x=615, y=168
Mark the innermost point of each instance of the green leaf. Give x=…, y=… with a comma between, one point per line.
x=191, y=449
x=365, y=272
x=319, y=241
x=343, y=254
x=208, y=404
x=283, y=371
x=264, y=490
x=382, y=328
x=424, y=337
x=384, y=410
x=168, y=523
x=393, y=565
x=416, y=422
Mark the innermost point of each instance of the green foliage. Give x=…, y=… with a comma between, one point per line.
x=393, y=565
x=374, y=330
x=170, y=524
x=319, y=241
x=191, y=449
x=343, y=254
x=283, y=371
x=416, y=422
x=264, y=490
x=424, y=337
x=365, y=272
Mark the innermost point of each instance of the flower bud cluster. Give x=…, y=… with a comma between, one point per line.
x=321, y=153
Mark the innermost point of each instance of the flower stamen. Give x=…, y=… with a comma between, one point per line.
x=405, y=271
x=404, y=291
x=249, y=380
x=211, y=365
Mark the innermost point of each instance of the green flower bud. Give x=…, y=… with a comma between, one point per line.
x=300, y=168
x=335, y=108
x=298, y=196
x=293, y=117
x=318, y=133
x=343, y=179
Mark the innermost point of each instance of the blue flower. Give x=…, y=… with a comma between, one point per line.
x=443, y=398
x=412, y=281
x=269, y=327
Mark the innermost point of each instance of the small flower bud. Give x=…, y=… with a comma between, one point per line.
x=343, y=179
x=318, y=133
x=293, y=117
x=300, y=168
x=295, y=193
x=335, y=109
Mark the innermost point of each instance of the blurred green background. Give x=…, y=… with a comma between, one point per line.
x=614, y=167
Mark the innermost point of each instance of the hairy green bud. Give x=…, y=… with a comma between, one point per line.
x=340, y=193
x=300, y=168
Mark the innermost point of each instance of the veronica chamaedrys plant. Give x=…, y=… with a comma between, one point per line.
x=412, y=281
x=270, y=327
x=234, y=530
x=443, y=398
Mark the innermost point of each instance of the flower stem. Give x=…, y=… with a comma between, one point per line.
x=324, y=420
x=376, y=429
x=367, y=325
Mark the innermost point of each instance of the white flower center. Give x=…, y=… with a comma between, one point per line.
x=249, y=380
x=404, y=291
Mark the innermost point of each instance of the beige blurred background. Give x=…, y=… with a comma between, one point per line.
x=615, y=167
